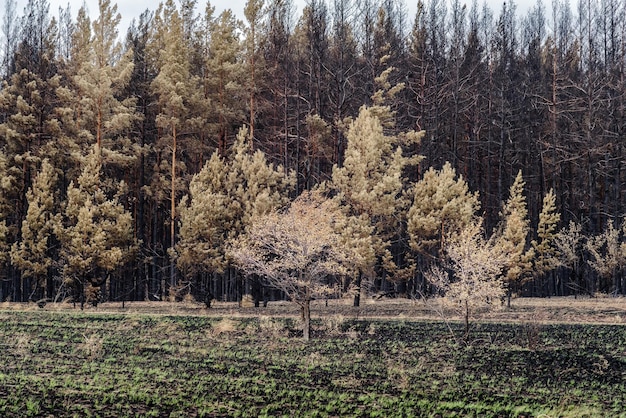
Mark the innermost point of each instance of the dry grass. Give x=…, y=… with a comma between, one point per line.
x=271, y=328
x=332, y=324
x=167, y=329
x=247, y=301
x=22, y=345
x=601, y=309
x=225, y=326
x=92, y=346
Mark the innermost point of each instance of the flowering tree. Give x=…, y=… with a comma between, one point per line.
x=472, y=279
x=300, y=251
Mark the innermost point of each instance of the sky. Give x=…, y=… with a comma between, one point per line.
x=132, y=9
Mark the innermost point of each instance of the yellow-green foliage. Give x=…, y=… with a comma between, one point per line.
x=512, y=234
x=101, y=75
x=442, y=204
x=206, y=219
x=32, y=254
x=224, y=82
x=97, y=231
x=223, y=199
x=3, y=241
x=173, y=85
x=546, y=252
x=371, y=184
x=5, y=184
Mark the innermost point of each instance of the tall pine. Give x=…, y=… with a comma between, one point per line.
x=96, y=233
x=102, y=73
x=512, y=237
x=35, y=253
x=224, y=198
x=371, y=182
x=174, y=87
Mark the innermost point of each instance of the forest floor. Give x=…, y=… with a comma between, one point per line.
x=601, y=309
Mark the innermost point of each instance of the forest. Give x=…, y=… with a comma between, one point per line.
x=132, y=164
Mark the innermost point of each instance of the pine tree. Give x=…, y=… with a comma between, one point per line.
x=442, y=205
x=21, y=103
x=258, y=185
x=253, y=12
x=4, y=248
x=34, y=255
x=27, y=101
x=101, y=75
x=546, y=253
x=174, y=88
x=223, y=199
x=512, y=235
x=371, y=182
x=96, y=233
x=71, y=137
x=5, y=185
x=206, y=220
x=226, y=73
x=388, y=46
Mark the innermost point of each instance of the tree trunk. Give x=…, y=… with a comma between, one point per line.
x=357, y=295
x=306, y=320
x=467, y=311
x=173, y=207
x=253, y=81
x=508, y=297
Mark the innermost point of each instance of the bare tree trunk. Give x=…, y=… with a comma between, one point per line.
x=357, y=295
x=467, y=312
x=252, y=82
x=173, y=207
x=306, y=320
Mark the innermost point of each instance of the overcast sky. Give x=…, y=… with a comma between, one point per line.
x=132, y=9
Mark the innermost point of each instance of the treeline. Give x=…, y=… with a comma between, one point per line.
x=125, y=170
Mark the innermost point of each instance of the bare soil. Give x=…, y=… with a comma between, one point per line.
x=582, y=310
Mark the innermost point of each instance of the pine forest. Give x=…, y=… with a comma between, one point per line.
x=344, y=149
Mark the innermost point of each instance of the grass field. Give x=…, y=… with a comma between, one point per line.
x=179, y=360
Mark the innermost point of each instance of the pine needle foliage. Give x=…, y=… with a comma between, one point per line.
x=511, y=237
x=442, y=205
x=97, y=231
x=5, y=183
x=101, y=73
x=546, y=251
x=371, y=183
x=223, y=199
x=34, y=255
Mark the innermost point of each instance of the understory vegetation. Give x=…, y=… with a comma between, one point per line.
x=95, y=364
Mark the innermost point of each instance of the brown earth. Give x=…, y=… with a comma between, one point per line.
x=601, y=309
